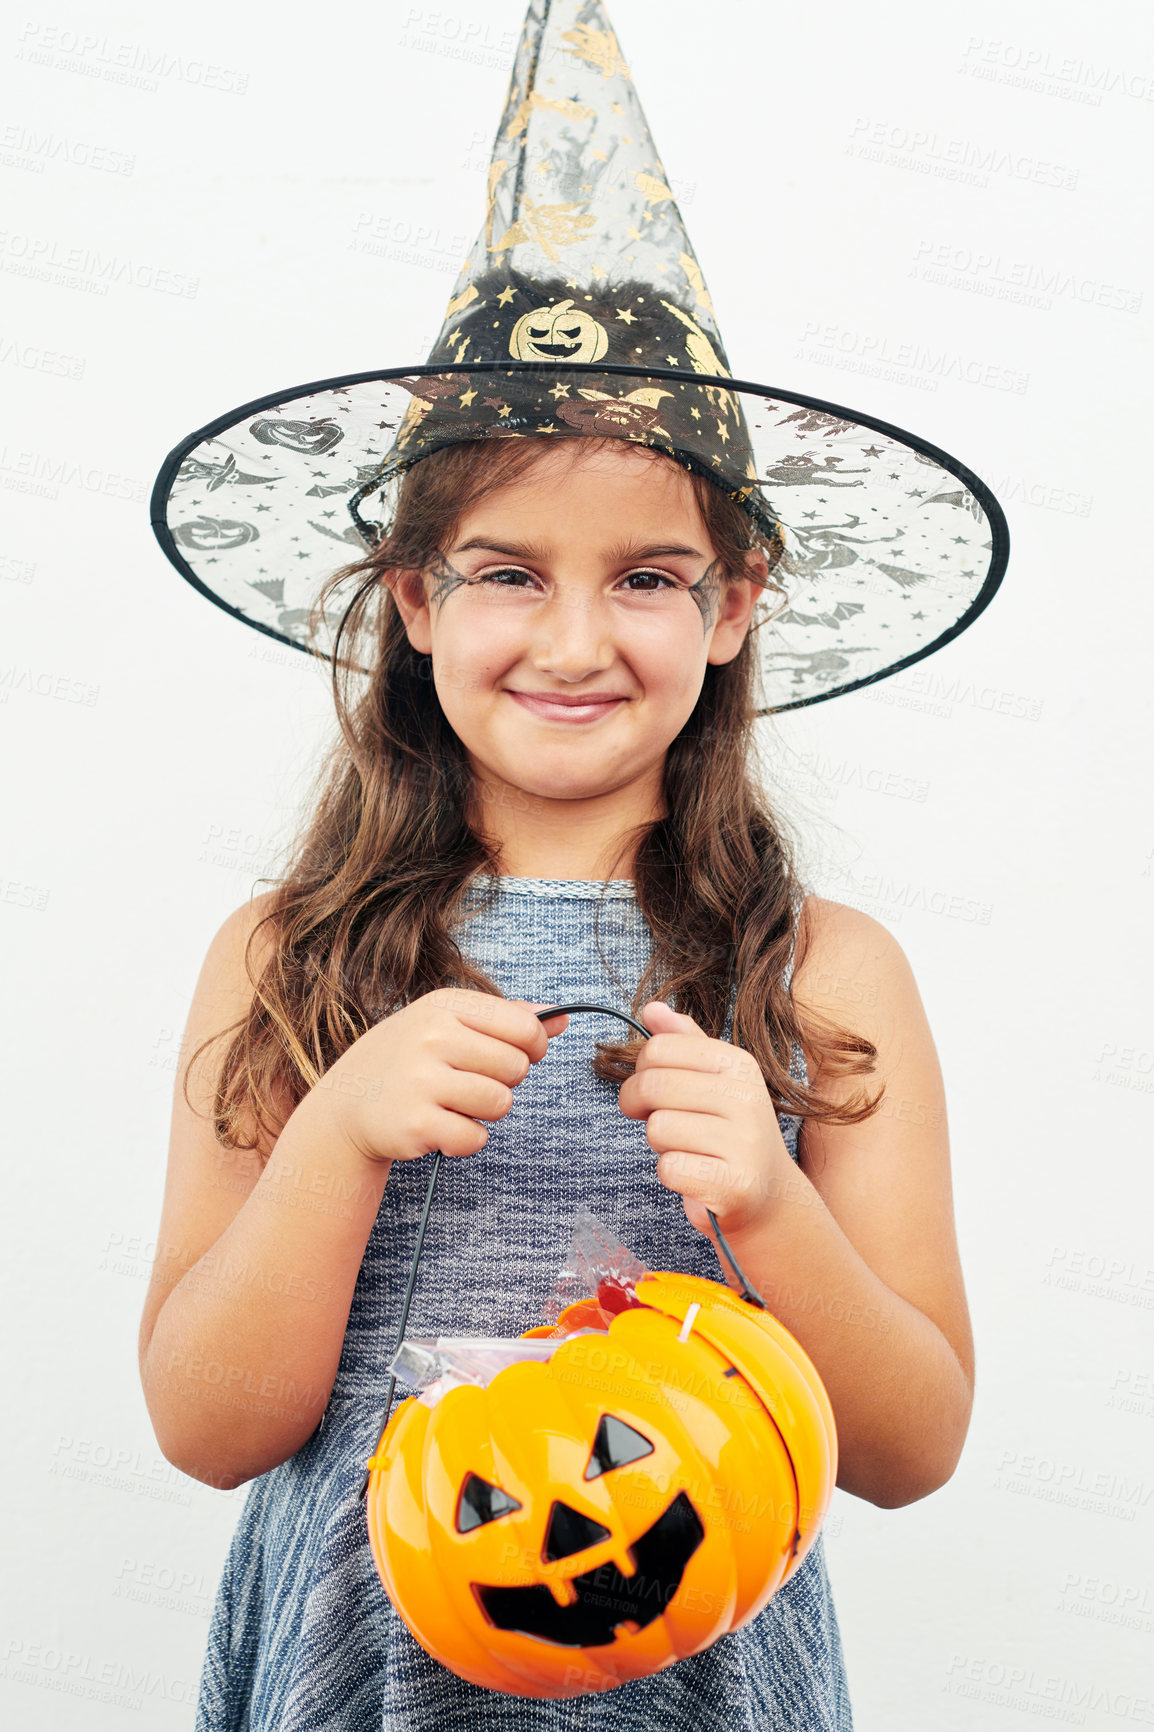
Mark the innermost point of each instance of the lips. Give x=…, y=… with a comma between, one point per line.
x=563, y=710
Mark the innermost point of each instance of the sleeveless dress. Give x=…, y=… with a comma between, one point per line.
x=303, y=1637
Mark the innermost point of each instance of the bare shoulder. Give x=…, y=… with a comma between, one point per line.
x=239, y=950
x=250, y=920
x=233, y=964
x=886, y=1179
x=206, y=1184
x=851, y=973
x=832, y=933
x=849, y=969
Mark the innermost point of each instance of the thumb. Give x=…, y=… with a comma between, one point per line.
x=657, y=1016
x=540, y=1004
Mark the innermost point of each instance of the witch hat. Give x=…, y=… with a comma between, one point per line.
x=582, y=311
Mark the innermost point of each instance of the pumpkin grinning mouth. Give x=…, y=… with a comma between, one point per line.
x=544, y=348
x=604, y=1597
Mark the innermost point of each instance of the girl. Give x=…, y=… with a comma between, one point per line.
x=584, y=607
x=547, y=668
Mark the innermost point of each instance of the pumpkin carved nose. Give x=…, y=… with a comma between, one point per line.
x=569, y=1531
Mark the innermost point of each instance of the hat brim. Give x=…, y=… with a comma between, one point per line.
x=892, y=546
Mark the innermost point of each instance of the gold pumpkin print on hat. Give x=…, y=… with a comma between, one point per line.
x=559, y=333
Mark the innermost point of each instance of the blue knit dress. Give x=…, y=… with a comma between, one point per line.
x=303, y=1637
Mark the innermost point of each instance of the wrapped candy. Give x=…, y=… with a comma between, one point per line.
x=598, y=1282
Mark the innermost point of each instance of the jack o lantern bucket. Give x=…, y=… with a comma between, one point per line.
x=599, y=1514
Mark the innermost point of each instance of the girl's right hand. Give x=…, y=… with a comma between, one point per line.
x=420, y=1079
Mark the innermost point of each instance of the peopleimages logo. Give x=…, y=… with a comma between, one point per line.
x=119, y=62
x=49, y=259
x=859, y=351
x=24, y=147
x=1017, y=280
x=1038, y=69
x=34, y=359
x=928, y=152
x=1047, y=1695
x=43, y=474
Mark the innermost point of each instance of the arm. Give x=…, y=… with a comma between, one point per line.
x=857, y=1253
x=853, y=1248
x=254, y=1271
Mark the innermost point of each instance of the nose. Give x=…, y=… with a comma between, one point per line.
x=572, y=638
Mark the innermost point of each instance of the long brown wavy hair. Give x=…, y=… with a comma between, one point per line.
x=360, y=918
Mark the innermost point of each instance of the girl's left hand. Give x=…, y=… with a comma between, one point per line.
x=711, y=1120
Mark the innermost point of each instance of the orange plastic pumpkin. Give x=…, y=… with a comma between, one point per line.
x=601, y=1515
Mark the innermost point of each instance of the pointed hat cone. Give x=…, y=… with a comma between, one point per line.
x=583, y=257
x=577, y=194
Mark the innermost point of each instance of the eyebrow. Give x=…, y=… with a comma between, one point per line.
x=529, y=550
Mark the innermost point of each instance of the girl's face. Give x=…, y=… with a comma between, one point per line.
x=570, y=624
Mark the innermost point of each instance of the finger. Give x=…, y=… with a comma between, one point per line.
x=695, y=1051
x=698, y=1178
x=687, y=1090
x=549, y=1028
x=453, y=1133
x=665, y=1014
x=697, y=1214
x=713, y=1183
x=481, y=1094
x=473, y=1038
x=508, y=1019
x=704, y=1133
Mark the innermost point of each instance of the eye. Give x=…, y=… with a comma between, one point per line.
x=659, y=575
x=570, y=330
x=615, y=1445
x=502, y=571
x=480, y=1503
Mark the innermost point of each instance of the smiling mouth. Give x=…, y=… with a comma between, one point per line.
x=555, y=348
x=565, y=710
x=605, y=1598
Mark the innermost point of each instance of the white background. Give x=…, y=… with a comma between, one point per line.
x=935, y=214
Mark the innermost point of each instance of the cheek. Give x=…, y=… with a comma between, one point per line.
x=472, y=645
x=669, y=653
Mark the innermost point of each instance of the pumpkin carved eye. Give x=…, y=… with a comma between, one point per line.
x=615, y=1445
x=480, y=1503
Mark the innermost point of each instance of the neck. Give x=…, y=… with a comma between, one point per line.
x=594, y=839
